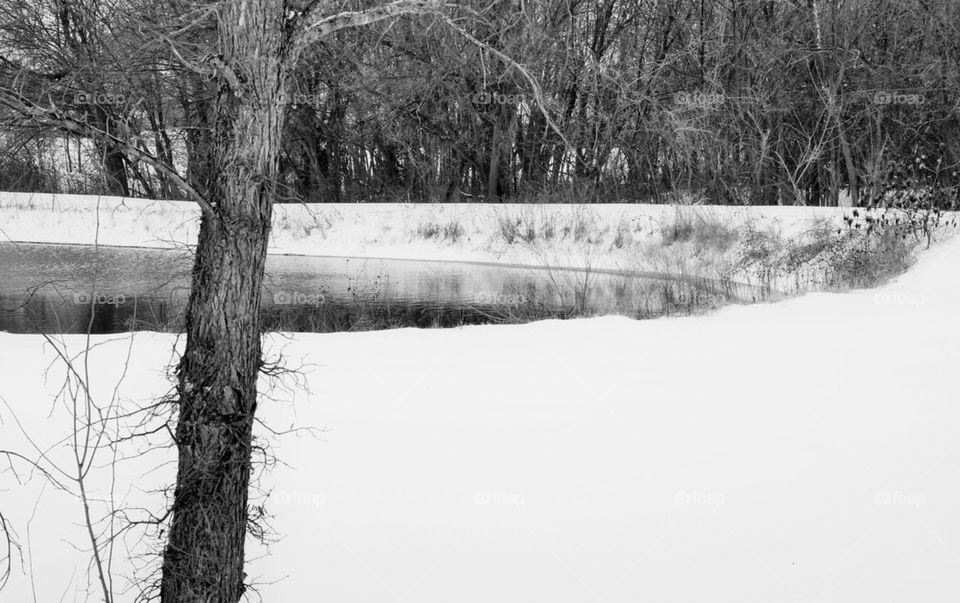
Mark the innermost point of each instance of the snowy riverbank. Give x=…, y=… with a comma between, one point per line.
x=598, y=236
x=803, y=450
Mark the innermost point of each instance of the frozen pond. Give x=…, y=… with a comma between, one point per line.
x=73, y=288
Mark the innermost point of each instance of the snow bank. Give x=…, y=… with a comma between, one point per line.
x=804, y=450
x=387, y=230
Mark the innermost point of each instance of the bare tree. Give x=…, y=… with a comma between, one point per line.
x=259, y=44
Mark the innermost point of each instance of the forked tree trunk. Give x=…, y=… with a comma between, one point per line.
x=217, y=385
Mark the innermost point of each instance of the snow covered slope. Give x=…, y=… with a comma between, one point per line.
x=800, y=451
x=610, y=235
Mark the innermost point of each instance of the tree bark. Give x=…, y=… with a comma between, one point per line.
x=217, y=375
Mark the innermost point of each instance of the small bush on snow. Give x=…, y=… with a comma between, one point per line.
x=449, y=231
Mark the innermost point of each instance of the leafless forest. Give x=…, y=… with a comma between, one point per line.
x=725, y=101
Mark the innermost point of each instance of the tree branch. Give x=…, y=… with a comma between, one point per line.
x=51, y=118
x=524, y=72
x=314, y=26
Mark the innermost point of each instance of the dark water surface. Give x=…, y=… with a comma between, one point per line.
x=76, y=288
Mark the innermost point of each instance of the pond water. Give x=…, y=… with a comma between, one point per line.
x=75, y=288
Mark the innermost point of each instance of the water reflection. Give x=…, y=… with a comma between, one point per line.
x=70, y=289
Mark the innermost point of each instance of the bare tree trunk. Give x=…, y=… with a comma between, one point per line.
x=203, y=560
x=114, y=169
x=217, y=388
x=852, y=181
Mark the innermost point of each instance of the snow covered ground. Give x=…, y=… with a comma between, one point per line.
x=597, y=236
x=800, y=451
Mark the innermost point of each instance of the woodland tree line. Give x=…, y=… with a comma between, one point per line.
x=726, y=101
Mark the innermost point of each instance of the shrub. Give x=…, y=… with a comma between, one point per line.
x=509, y=228
x=623, y=236
x=678, y=230
x=867, y=258
x=825, y=257
x=450, y=231
x=23, y=175
x=704, y=230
